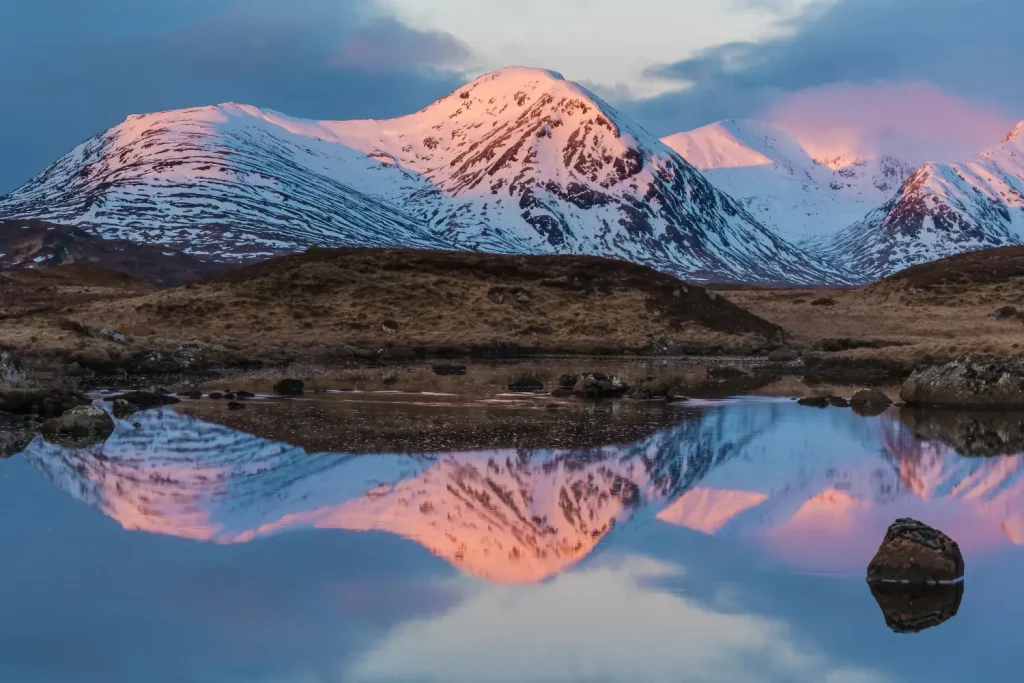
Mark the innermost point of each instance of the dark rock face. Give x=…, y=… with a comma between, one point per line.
x=913, y=552
x=122, y=409
x=42, y=402
x=12, y=370
x=79, y=427
x=288, y=387
x=526, y=384
x=972, y=433
x=1003, y=313
x=445, y=370
x=912, y=608
x=969, y=381
x=870, y=402
x=144, y=400
x=600, y=385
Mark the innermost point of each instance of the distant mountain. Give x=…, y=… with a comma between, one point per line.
x=774, y=176
x=518, y=161
x=941, y=210
x=33, y=244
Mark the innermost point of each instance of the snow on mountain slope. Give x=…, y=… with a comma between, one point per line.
x=941, y=210
x=517, y=161
x=774, y=176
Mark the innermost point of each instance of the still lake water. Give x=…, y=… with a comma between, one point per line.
x=719, y=541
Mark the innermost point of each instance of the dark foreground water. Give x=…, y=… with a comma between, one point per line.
x=725, y=543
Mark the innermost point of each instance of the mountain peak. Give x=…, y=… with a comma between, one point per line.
x=1017, y=134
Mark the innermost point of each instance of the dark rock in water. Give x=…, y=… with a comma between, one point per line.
x=1003, y=313
x=971, y=433
x=144, y=400
x=215, y=395
x=911, y=608
x=193, y=394
x=973, y=380
x=16, y=433
x=122, y=409
x=229, y=396
x=913, y=552
x=162, y=390
x=80, y=427
x=870, y=402
x=449, y=369
x=235, y=405
x=561, y=392
x=815, y=401
x=290, y=387
x=553, y=407
x=568, y=381
x=244, y=394
x=600, y=385
x=838, y=402
x=42, y=402
x=726, y=372
x=786, y=355
x=652, y=388
x=12, y=370
x=526, y=384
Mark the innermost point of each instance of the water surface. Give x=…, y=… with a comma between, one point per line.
x=713, y=541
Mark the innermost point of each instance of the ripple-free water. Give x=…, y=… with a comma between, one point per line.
x=724, y=542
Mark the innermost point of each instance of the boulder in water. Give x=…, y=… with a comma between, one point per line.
x=600, y=385
x=526, y=384
x=911, y=608
x=971, y=381
x=288, y=387
x=913, y=552
x=144, y=400
x=79, y=427
x=870, y=402
x=122, y=409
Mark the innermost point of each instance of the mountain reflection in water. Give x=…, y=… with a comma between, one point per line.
x=816, y=488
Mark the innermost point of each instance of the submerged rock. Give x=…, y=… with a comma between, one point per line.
x=815, y=401
x=913, y=552
x=288, y=387
x=973, y=380
x=144, y=400
x=79, y=427
x=122, y=409
x=911, y=608
x=870, y=402
x=526, y=384
x=600, y=385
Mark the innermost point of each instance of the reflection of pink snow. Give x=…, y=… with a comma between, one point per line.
x=708, y=510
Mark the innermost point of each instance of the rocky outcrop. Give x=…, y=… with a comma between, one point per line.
x=12, y=370
x=913, y=552
x=969, y=381
x=600, y=385
x=79, y=427
x=912, y=608
x=286, y=387
x=44, y=403
x=870, y=402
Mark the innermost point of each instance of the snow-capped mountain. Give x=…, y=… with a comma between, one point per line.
x=800, y=192
x=818, y=488
x=518, y=161
x=941, y=210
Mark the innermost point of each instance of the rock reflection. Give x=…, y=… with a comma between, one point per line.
x=971, y=432
x=912, y=608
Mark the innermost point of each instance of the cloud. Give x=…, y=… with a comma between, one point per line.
x=917, y=121
x=83, y=67
x=968, y=48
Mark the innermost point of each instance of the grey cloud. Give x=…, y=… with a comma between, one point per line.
x=78, y=68
x=970, y=48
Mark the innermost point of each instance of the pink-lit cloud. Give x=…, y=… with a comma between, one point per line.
x=915, y=120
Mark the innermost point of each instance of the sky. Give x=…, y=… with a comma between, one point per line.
x=940, y=77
